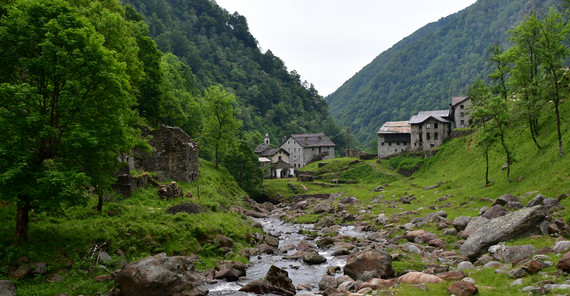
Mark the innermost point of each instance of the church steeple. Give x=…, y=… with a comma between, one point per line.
x=266, y=141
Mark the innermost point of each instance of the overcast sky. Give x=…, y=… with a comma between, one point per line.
x=328, y=41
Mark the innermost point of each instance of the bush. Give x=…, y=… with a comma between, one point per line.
x=189, y=208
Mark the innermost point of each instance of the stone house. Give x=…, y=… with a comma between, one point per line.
x=394, y=137
x=174, y=156
x=429, y=129
x=306, y=148
x=460, y=111
x=275, y=159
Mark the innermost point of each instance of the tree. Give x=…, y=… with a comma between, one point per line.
x=552, y=52
x=220, y=124
x=497, y=106
x=525, y=75
x=244, y=166
x=65, y=109
x=487, y=136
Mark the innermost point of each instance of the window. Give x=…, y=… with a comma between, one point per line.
x=279, y=157
x=462, y=107
x=288, y=142
x=462, y=122
x=390, y=144
x=432, y=145
x=382, y=144
x=462, y=114
x=435, y=136
x=421, y=138
x=398, y=144
x=428, y=136
x=427, y=126
x=435, y=125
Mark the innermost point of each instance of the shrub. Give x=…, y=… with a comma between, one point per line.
x=189, y=208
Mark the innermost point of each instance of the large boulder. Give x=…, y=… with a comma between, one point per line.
x=564, y=263
x=160, y=275
x=369, y=264
x=279, y=278
x=510, y=226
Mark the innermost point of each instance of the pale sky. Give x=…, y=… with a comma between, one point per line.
x=328, y=41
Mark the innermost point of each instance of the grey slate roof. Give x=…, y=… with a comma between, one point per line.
x=439, y=115
x=280, y=164
x=312, y=140
x=395, y=127
x=267, y=150
x=458, y=100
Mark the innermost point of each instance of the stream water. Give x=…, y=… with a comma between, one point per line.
x=299, y=272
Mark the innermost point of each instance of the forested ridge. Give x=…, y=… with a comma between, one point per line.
x=427, y=68
x=219, y=49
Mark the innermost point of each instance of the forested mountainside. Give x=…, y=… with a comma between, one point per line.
x=427, y=68
x=219, y=49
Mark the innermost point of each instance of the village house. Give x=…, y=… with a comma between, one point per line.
x=394, y=137
x=429, y=129
x=275, y=159
x=460, y=111
x=306, y=148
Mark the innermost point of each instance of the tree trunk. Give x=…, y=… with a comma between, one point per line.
x=487, y=166
x=22, y=220
x=100, y=202
x=533, y=132
x=558, y=125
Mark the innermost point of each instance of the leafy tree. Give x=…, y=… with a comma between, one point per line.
x=220, y=124
x=65, y=109
x=525, y=75
x=552, y=52
x=244, y=166
x=487, y=136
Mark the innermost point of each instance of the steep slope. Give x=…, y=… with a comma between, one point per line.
x=424, y=70
x=219, y=49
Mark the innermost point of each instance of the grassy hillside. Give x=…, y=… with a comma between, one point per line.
x=427, y=68
x=459, y=169
x=138, y=226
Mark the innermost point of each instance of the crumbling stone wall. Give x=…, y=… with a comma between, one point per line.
x=175, y=155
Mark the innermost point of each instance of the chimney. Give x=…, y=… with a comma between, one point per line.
x=306, y=140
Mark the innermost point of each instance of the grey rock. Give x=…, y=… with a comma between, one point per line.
x=536, y=201
x=160, y=275
x=517, y=273
x=279, y=278
x=517, y=282
x=493, y=264
x=551, y=202
x=515, y=253
x=461, y=222
x=474, y=225
x=7, y=288
x=561, y=246
x=313, y=258
x=105, y=258
x=505, y=199
x=510, y=226
x=495, y=211
x=349, y=200
x=374, y=260
x=327, y=281
x=465, y=265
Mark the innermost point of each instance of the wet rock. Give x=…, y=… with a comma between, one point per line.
x=230, y=271
x=7, y=288
x=325, y=222
x=327, y=281
x=325, y=242
x=564, y=262
x=271, y=240
x=313, y=258
x=510, y=226
x=263, y=287
x=375, y=261
x=279, y=278
x=160, y=275
x=416, y=277
x=462, y=288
